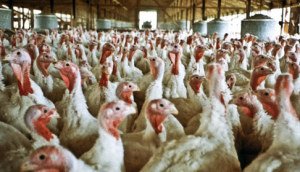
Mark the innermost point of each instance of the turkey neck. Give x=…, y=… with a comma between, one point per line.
x=286, y=105
x=104, y=80
x=256, y=80
x=159, y=72
x=43, y=67
x=151, y=136
x=175, y=68
x=198, y=56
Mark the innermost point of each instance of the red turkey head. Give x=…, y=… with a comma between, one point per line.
x=189, y=40
x=287, y=48
x=294, y=69
x=158, y=41
x=244, y=101
x=256, y=49
x=78, y=51
x=259, y=74
x=157, y=112
x=31, y=49
x=106, y=71
x=242, y=55
x=112, y=114
x=267, y=98
x=216, y=81
x=276, y=49
x=260, y=60
x=196, y=82
x=230, y=80
x=2, y=51
x=155, y=63
x=221, y=56
x=132, y=51
x=69, y=73
x=272, y=64
x=144, y=50
x=199, y=52
x=107, y=50
x=37, y=117
x=44, y=48
x=292, y=56
x=125, y=91
x=268, y=46
x=49, y=158
x=174, y=57
x=43, y=62
x=284, y=88
x=20, y=62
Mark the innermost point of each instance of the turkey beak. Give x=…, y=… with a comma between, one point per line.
x=7, y=58
x=54, y=113
x=58, y=66
x=231, y=101
x=129, y=110
x=173, y=109
x=136, y=88
x=27, y=166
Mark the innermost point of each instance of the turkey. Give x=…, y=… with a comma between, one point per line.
x=174, y=80
x=25, y=94
x=154, y=91
x=53, y=88
x=211, y=145
x=146, y=141
x=191, y=106
x=124, y=92
x=294, y=70
x=36, y=119
x=283, y=153
x=104, y=91
x=262, y=122
x=76, y=118
x=14, y=148
x=54, y=158
x=131, y=72
x=107, y=153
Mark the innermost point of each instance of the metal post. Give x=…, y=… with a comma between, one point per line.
x=203, y=10
x=74, y=9
x=194, y=14
x=248, y=9
x=219, y=9
x=52, y=6
x=10, y=5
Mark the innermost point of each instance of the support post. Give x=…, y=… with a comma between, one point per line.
x=11, y=5
x=248, y=9
x=194, y=14
x=219, y=9
x=52, y=6
x=203, y=10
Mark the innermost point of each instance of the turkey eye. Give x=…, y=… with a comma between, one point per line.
x=261, y=68
x=262, y=57
x=42, y=157
x=196, y=77
x=117, y=108
x=231, y=79
x=47, y=56
x=18, y=53
x=153, y=59
x=241, y=98
x=161, y=105
x=67, y=64
x=45, y=111
x=129, y=86
x=266, y=93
